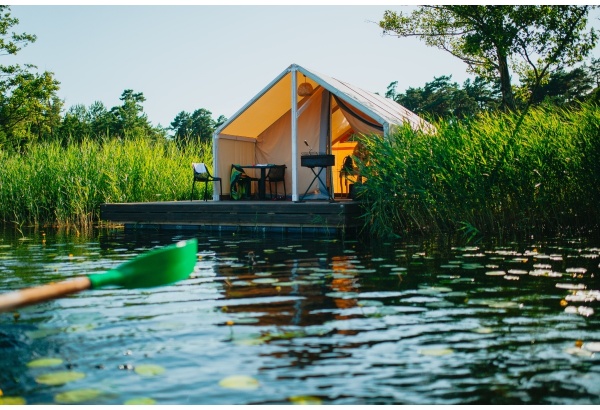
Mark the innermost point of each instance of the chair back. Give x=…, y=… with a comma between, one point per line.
x=200, y=171
x=276, y=173
x=348, y=164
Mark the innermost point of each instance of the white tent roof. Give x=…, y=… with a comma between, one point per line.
x=274, y=101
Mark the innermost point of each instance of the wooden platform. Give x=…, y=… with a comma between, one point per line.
x=279, y=216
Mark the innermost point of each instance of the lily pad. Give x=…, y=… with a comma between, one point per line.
x=571, y=286
x=579, y=352
x=77, y=396
x=342, y=295
x=433, y=290
x=241, y=283
x=239, y=382
x=149, y=370
x=261, y=281
x=592, y=346
x=58, y=378
x=436, y=352
x=45, y=362
x=305, y=400
x=496, y=273
x=580, y=310
x=483, y=330
x=14, y=401
x=503, y=304
x=145, y=401
x=472, y=266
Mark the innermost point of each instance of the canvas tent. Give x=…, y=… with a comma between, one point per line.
x=278, y=125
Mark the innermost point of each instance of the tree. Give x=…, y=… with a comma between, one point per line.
x=13, y=43
x=29, y=106
x=562, y=87
x=595, y=70
x=129, y=120
x=196, y=127
x=442, y=98
x=493, y=39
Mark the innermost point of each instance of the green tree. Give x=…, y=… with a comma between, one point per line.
x=29, y=106
x=11, y=43
x=196, y=127
x=595, y=70
x=562, y=87
x=182, y=125
x=493, y=39
x=442, y=98
x=129, y=120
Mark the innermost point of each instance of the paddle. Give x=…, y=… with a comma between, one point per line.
x=154, y=268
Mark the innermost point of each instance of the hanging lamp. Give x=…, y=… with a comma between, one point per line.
x=305, y=89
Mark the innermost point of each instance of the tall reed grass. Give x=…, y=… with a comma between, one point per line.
x=54, y=185
x=491, y=174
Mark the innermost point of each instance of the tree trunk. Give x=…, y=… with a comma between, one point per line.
x=508, y=99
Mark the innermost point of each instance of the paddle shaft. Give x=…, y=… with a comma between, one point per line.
x=30, y=296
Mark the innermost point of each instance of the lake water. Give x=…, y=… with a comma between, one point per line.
x=276, y=320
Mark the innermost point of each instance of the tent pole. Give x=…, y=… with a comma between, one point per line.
x=294, y=135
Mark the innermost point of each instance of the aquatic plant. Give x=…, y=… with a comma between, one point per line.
x=488, y=174
x=53, y=185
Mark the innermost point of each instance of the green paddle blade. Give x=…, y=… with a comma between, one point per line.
x=155, y=268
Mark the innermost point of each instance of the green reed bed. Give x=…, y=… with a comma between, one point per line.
x=492, y=173
x=54, y=185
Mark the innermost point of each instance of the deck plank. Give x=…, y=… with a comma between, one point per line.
x=338, y=215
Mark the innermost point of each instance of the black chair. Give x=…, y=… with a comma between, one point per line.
x=240, y=183
x=348, y=173
x=276, y=174
x=201, y=174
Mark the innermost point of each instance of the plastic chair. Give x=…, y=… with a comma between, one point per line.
x=201, y=174
x=276, y=174
x=240, y=183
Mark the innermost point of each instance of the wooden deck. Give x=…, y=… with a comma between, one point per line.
x=340, y=216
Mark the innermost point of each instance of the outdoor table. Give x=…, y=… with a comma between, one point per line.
x=263, y=174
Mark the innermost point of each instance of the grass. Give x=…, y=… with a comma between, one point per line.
x=487, y=175
x=54, y=185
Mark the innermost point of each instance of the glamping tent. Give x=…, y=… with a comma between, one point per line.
x=303, y=111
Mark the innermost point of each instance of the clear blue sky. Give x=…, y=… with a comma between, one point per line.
x=216, y=57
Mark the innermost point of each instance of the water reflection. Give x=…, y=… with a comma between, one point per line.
x=340, y=322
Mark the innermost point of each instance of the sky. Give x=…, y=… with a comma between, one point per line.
x=217, y=57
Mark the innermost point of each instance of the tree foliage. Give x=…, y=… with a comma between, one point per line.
x=29, y=106
x=492, y=40
x=442, y=98
x=196, y=127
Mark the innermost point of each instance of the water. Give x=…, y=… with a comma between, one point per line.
x=301, y=320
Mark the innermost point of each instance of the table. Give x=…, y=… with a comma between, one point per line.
x=263, y=174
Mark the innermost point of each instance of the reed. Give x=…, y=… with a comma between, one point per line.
x=493, y=173
x=54, y=185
